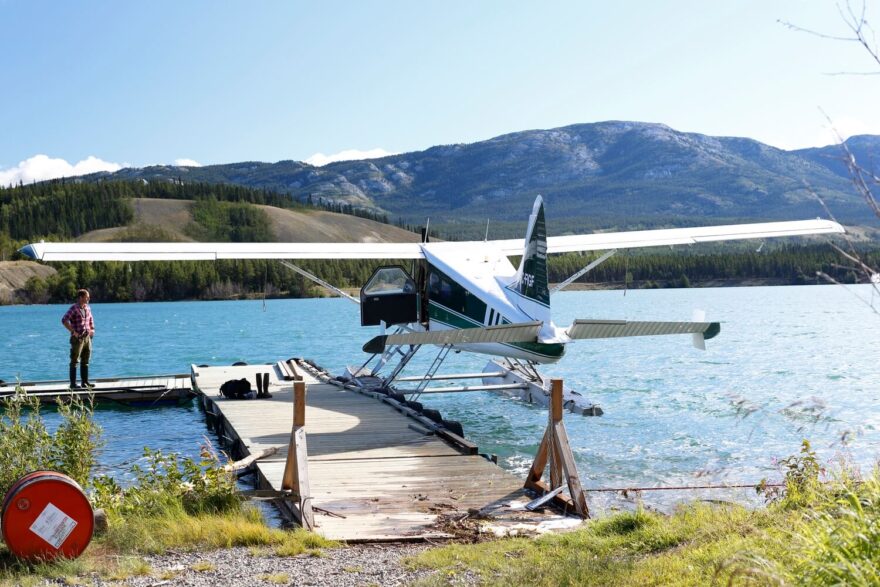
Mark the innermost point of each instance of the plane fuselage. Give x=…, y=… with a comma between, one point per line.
x=469, y=287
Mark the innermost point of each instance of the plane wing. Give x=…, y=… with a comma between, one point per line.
x=175, y=251
x=676, y=236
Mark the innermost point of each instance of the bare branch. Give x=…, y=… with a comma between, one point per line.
x=857, y=23
x=864, y=268
x=799, y=29
x=830, y=279
x=861, y=178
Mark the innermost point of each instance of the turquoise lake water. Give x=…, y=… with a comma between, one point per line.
x=790, y=363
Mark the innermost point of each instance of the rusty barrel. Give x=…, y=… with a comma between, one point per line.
x=46, y=515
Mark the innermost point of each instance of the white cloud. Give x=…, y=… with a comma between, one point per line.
x=43, y=167
x=187, y=163
x=844, y=128
x=319, y=159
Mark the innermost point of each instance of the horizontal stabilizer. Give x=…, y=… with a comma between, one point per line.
x=585, y=329
x=522, y=332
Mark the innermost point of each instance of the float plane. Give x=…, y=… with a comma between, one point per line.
x=463, y=295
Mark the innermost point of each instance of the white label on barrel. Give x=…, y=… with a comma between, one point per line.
x=53, y=526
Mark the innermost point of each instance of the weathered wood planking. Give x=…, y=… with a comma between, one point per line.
x=144, y=390
x=373, y=475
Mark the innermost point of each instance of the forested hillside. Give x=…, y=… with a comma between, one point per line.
x=67, y=210
x=785, y=264
x=63, y=210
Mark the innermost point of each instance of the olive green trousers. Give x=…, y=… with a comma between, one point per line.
x=80, y=350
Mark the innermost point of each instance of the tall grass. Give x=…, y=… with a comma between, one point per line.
x=838, y=540
x=178, y=502
x=633, y=548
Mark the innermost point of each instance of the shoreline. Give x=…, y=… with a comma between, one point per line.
x=576, y=286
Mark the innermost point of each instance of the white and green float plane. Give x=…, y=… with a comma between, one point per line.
x=463, y=295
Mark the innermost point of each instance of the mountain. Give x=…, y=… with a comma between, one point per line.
x=607, y=174
x=865, y=149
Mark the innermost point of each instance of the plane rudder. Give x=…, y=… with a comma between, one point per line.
x=532, y=281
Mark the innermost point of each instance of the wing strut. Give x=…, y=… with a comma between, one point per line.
x=319, y=281
x=590, y=267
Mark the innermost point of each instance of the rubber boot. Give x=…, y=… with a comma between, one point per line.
x=266, y=385
x=259, y=385
x=73, y=384
x=84, y=372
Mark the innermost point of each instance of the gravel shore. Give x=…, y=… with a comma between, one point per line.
x=353, y=565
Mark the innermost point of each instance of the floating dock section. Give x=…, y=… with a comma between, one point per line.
x=377, y=470
x=144, y=391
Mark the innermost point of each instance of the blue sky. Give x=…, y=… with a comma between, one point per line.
x=139, y=83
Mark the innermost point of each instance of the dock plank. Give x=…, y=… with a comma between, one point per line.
x=373, y=475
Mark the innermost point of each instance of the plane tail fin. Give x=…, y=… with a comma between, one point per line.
x=531, y=277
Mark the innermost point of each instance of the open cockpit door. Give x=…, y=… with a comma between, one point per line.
x=389, y=296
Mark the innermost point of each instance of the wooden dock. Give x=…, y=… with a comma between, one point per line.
x=377, y=470
x=143, y=391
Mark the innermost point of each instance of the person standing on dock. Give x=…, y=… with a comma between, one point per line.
x=79, y=322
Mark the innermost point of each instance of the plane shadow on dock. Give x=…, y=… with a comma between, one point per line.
x=376, y=473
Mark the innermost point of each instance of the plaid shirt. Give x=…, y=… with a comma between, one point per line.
x=80, y=319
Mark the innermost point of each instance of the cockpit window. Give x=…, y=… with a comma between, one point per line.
x=389, y=280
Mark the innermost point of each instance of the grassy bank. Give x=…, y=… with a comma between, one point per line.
x=829, y=537
x=814, y=532
x=821, y=529
x=640, y=548
x=171, y=503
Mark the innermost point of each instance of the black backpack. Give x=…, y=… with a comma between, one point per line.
x=236, y=389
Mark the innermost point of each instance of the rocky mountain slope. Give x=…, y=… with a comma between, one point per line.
x=15, y=274
x=602, y=174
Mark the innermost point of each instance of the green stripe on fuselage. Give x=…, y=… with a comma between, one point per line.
x=452, y=319
x=551, y=351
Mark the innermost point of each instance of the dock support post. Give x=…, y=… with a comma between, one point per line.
x=296, y=468
x=556, y=450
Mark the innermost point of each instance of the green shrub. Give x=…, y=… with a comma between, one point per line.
x=26, y=444
x=802, y=480
x=168, y=482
